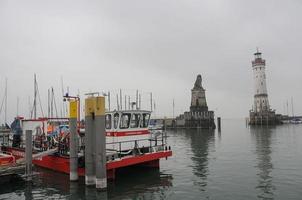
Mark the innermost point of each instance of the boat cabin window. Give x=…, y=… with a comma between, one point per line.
x=108, y=121
x=145, y=120
x=115, y=120
x=125, y=120
x=135, y=120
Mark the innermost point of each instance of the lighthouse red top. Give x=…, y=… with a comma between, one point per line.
x=258, y=60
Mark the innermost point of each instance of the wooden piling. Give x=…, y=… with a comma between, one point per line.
x=28, y=155
x=89, y=141
x=73, y=164
x=219, y=123
x=100, y=144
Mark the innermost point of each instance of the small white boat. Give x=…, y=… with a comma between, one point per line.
x=296, y=121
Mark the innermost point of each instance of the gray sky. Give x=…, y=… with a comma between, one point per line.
x=157, y=46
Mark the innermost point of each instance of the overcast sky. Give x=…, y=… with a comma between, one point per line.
x=155, y=46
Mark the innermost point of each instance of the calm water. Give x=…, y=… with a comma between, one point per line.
x=238, y=163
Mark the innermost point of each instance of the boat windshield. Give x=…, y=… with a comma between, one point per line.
x=125, y=120
x=135, y=120
x=115, y=120
x=145, y=120
x=108, y=121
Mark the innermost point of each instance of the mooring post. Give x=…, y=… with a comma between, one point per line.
x=73, y=152
x=28, y=155
x=89, y=141
x=219, y=123
x=100, y=144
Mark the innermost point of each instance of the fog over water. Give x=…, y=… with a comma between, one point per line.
x=154, y=46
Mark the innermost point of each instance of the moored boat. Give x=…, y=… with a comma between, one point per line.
x=128, y=142
x=295, y=121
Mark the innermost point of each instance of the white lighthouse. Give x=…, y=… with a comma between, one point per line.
x=261, y=112
x=261, y=103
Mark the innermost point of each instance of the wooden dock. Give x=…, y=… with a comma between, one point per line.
x=19, y=167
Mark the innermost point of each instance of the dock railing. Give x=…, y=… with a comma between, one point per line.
x=157, y=141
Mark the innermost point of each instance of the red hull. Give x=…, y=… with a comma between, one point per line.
x=61, y=163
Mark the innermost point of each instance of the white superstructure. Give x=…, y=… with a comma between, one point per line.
x=261, y=103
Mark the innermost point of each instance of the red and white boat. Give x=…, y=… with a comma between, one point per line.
x=129, y=142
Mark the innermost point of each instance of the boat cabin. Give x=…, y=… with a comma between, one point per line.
x=127, y=128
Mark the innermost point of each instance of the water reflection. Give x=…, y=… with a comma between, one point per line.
x=263, y=139
x=28, y=191
x=139, y=183
x=136, y=183
x=202, y=142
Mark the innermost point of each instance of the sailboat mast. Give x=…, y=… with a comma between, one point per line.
x=151, y=101
x=173, y=108
x=35, y=98
x=287, y=108
x=292, y=107
x=51, y=103
x=5, y=105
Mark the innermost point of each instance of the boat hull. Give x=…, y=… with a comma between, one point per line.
x=61, y=163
